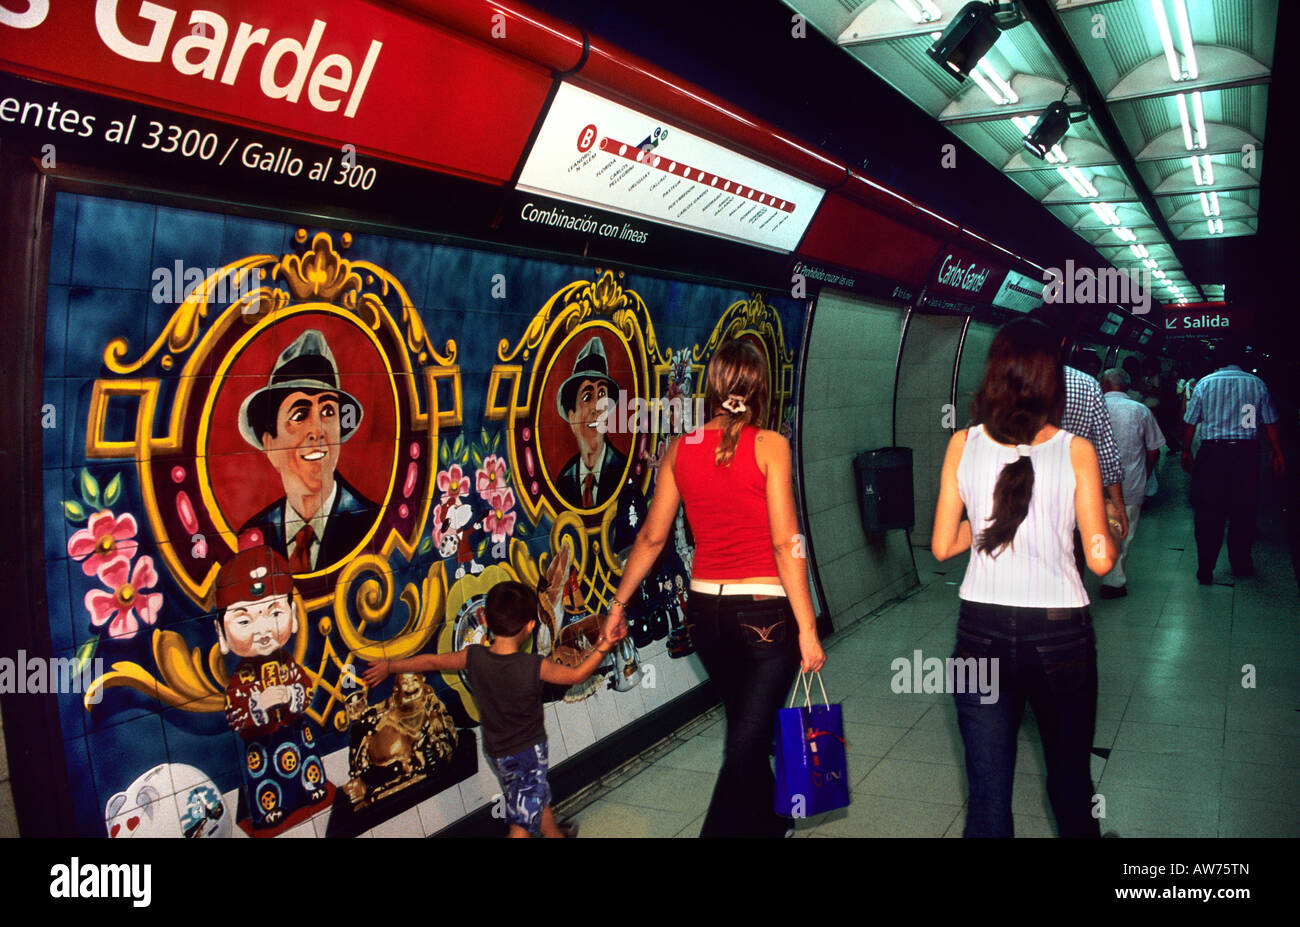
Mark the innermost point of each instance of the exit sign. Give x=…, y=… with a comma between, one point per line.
x=1205, y=320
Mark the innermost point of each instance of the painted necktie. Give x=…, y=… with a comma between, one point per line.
x=588, y=497
x=300, y=559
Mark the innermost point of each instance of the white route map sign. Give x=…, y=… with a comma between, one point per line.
x=600, y=153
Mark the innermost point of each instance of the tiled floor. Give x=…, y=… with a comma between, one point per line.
x=1182, y=747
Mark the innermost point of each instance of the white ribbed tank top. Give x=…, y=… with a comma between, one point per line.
x=1037, y=569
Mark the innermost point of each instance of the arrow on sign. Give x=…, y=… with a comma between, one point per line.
x=1171, y=323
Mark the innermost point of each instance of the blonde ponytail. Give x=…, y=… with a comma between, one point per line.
x=736, y=383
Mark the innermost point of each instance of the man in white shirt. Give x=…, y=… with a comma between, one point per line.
x=1139, y=440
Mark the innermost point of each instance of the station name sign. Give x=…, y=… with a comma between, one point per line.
x=599, y=153
x=967, y=276
x=354, y=73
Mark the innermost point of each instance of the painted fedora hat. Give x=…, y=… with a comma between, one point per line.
x=591, y=364
x=305, y=366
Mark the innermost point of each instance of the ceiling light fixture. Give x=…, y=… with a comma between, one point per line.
x=1086, y=183
x=912, y=10
x=1076, y=180
x=1203, y=170
x=1052, y=125
x=1186, y=68
x=1187, y=123
x=1005, y=86
x=1185, y=34
x=983, y=83
x=1166, y=40
x=1199, y=110
x=970, y=35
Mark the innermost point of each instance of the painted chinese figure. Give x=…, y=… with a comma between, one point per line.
x=267, y=693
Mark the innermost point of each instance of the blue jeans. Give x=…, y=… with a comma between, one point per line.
x=751, y=651
x=1047, y=657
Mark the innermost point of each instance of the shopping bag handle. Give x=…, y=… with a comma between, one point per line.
x=807, y=699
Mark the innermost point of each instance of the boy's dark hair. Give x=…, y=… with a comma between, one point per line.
x=509, y=607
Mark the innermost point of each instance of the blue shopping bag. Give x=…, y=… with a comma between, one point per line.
x=811, y=765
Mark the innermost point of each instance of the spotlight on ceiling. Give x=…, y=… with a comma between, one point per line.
x=971, y=34
x=1051, y=127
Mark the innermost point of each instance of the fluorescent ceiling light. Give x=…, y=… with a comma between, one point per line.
x=1074, y=181
x=1199, y=110
x=1214, y=203
x=1150, y=263
x=1187, y=123
x=982, y=82
x=912, y=10
x=931, y=10
x=1185, y=33
x=1088, y=188
x=991, y=73
x=1207, y=169
x=1105, y=212
x=1205, y=205
x=1167, y=40
x=1125, y=234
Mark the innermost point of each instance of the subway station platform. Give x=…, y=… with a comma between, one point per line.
x=1181, y=749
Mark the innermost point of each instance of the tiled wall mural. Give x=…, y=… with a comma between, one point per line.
x=273, y=454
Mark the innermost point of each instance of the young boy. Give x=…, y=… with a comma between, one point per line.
x=507, y=685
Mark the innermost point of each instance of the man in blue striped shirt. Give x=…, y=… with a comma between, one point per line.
x=1229, y=405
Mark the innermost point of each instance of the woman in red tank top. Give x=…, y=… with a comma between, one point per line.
x=750, y=610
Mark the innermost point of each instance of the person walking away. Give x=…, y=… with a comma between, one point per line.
x=1229, y=405
x=1139, y=439
x=1023, y=483
x=750, y=609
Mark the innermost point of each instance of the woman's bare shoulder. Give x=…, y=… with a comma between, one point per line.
x=770, y=441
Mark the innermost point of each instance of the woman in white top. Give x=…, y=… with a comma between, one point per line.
x=1024, y=625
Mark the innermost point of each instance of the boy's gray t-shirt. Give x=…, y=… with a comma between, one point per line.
x=508, y=689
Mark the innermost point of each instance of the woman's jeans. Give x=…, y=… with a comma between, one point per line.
x=1047, y=657
x=750, y=649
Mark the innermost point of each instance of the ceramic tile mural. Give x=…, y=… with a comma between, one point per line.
x=274, y=453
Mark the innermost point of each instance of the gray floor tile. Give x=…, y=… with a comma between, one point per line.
x=874, y=816
x=605, y=818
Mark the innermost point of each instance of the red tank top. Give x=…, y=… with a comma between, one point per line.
x=726, y=507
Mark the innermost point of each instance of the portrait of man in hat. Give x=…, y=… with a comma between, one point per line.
x=586, y=400
x=300, y=420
